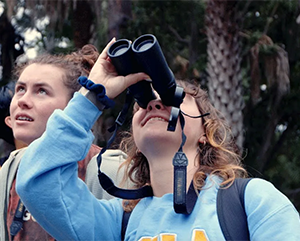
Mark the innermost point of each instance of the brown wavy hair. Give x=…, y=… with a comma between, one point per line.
x=219, y=155
x=75, y=64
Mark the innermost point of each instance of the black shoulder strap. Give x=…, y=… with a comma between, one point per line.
x=125, y=219
x=17, y=223
x=231, y=211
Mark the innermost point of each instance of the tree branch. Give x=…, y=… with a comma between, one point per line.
x=269, y=20
x=245, y=9
x=179, y=38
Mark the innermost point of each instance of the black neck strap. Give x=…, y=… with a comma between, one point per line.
x=106, y=183
x=183, y=202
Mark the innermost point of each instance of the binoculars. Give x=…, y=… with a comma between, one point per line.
x=145, y=55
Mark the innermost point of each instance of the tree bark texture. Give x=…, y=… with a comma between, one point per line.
x=119, y=13
x=224, y=60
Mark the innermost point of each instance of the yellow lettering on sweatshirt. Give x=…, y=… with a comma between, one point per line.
x=198, y=235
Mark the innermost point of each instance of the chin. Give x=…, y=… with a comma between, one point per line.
x=24, y=138
x=161, y=139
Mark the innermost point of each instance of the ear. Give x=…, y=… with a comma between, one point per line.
x=7, y=121
x=203, y=139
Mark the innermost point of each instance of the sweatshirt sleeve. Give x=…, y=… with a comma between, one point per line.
x=271, y=215
x=48, y=184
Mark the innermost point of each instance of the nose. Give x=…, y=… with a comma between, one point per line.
x=155, y=104
x=25, y=101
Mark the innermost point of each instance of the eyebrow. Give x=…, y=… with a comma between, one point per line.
x=38, y=84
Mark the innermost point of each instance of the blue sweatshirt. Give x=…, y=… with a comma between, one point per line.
x=48, y=185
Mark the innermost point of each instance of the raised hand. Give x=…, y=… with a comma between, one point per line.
x=105, y=73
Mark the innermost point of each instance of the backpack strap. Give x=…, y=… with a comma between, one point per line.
x=231, y=210
x=125, y=220
x=17, y=223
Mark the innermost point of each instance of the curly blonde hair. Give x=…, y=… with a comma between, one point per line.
x=219, y=155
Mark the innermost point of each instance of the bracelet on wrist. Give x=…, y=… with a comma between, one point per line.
x=98, y=89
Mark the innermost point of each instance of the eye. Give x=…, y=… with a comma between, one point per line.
x=42, y=91
x=136, y=107
x=20, y=89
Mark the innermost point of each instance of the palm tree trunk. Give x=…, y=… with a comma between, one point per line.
x=224, y=60
x=119, y=14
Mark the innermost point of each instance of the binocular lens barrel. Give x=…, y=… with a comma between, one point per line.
x=149, y=55
x=144, y=43
x=122, y=58
x=120, y=47
x=145, y=55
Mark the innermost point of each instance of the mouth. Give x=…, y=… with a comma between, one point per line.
x=154, y=118
x=24, y=118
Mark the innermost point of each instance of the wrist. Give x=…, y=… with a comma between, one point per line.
x=95, y=93
x=91, y=96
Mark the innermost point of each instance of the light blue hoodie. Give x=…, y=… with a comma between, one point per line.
x=48, y=185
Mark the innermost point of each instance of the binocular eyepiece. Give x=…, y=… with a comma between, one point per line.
x=145, y=55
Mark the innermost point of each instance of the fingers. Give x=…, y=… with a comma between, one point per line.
x=103, y=54
x=117, y=85
x=102, y=68
x=103, y=72
x=134, y=78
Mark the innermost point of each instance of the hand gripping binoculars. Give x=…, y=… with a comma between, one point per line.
x=145, y=55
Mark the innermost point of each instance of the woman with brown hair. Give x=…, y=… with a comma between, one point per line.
x=43, y=85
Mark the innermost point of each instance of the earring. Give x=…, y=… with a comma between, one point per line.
x=202, y=140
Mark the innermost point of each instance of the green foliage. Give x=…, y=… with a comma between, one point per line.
x=170, y=22
x=277, y=19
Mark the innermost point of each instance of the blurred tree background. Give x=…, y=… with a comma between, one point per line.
x=245, y=53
